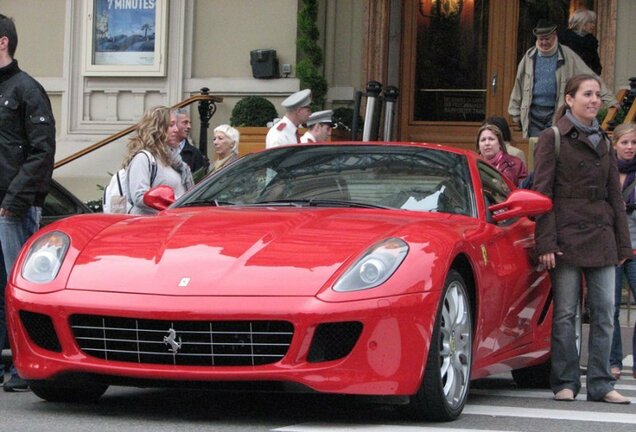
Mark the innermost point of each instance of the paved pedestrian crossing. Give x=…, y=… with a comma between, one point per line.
x=496, y=405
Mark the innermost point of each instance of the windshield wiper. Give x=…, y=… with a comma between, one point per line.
x=318, y=202
x=205, y=203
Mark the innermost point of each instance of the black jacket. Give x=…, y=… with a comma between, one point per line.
x=193, y=157
x=585, y=46
x=27, y=140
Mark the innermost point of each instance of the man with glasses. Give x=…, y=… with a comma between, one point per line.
x=297, y=112
x=27, y=152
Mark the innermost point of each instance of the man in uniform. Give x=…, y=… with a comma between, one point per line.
x=320, y=126
x=297, y=111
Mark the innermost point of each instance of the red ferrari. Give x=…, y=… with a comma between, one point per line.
x=384, y=269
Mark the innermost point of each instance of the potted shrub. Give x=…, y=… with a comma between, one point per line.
x=250, y=116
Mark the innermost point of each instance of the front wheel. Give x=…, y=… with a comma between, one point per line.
x=55, y=391
x=444, y=389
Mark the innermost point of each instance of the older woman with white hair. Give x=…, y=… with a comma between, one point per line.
x=579, y=36
x=226, y=142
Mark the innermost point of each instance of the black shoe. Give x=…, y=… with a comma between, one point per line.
x=15, y=384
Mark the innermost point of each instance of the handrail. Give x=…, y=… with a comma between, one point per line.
x=204, y=97
x=612, y=111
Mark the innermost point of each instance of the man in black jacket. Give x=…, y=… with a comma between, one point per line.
x=189, y=153
x=27, y=153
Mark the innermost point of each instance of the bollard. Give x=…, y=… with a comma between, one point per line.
x=373, y=92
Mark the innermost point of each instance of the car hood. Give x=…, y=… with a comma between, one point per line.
x=231, y=251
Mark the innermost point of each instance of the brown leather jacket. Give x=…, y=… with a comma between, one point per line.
x=587, y=223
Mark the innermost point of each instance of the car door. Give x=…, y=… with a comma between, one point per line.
x=513, y=290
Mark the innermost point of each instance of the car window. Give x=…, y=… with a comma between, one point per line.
x=57, y=203
x=495, y=188
x=408, y=178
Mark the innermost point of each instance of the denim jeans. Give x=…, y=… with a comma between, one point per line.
x=540, y=118
x=566, y=288
x=616, y=355
x=14, y=232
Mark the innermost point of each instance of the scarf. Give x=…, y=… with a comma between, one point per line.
x=220, y=163
x=628, y=167
x=496, y=159
x=593, y=132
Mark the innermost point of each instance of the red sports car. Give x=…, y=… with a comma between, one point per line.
x=397, y=270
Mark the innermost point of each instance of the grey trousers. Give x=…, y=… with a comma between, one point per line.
x=566, y=288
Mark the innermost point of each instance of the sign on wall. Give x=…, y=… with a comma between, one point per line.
x=125, y=38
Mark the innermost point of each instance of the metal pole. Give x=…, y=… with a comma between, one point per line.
x=207, y=108
x=357, y=97
x=391, y=94
x=373, y=92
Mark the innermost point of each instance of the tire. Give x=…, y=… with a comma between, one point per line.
x=58, y=391
x=444, y=389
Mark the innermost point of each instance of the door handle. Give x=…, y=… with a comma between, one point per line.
x=493, y=83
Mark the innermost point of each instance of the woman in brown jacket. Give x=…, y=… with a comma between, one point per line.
x=585, y=233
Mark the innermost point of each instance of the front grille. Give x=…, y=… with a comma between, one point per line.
x=186, y=343
x=333, y=341
x=40, y=329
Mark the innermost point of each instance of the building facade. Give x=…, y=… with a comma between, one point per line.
x=453, y=61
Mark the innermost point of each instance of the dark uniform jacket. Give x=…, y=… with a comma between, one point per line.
x=585, y=46
x=27, y=141
x=193, y=157
x=588, y=222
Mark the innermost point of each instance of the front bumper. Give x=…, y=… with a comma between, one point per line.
x=388, y=357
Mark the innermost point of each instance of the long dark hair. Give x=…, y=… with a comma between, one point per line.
x=571, y=87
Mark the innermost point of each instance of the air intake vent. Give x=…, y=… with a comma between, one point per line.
x=41, y=331
x=333, y=341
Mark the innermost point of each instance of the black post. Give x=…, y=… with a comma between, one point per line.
x=357, y=98
x=371, y=118
x=391, y=94
x=207, y=108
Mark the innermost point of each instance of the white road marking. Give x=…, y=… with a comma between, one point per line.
x=554, y=414
x=321, y=427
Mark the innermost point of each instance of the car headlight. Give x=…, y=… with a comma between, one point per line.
x=45, y=257
x=374, y=267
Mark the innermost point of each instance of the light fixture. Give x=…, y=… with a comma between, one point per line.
x=443, y=8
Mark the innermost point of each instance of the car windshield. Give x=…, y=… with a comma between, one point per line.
x=371, y=176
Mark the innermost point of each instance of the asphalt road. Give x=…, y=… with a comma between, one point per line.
x=495, y=404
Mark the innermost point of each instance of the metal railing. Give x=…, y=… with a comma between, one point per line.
x=207, y=108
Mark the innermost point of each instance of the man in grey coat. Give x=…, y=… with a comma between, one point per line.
x=540, y=81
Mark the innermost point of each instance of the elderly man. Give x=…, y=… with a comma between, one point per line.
x=297, y=111
x=540, y=82
x=189, y=153
x=320, y=126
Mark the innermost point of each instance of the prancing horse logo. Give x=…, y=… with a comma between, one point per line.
x=171, y=340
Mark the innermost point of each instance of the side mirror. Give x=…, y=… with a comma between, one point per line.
x=521, y=202
x=159, y=198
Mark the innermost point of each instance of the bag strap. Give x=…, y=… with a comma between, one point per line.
x=557, y=142
x=153, y=172
x=119, y=187
x=153, y=166
x=628, y=191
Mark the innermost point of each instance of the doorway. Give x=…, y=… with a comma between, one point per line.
x=459, y=61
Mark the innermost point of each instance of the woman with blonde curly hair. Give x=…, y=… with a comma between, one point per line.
x=152, y=162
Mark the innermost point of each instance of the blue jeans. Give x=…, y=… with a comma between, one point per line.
x=628, y=268
x=566, y=288
x=14, y=232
